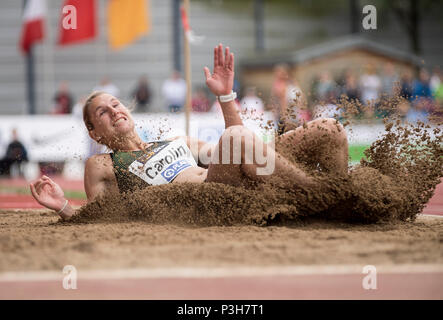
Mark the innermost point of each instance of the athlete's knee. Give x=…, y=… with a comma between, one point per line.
x=336, y=130
x=330, y=125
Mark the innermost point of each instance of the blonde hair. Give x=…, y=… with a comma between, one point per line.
x=86, y=117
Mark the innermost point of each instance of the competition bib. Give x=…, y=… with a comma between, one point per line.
x=162, y=164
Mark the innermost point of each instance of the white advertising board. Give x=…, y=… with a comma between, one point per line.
x=65, y=138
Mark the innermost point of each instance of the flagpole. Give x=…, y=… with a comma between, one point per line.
x=187, y=71
x=48, y=66
x=30, y=83
x=176, y=35
x=30, y=76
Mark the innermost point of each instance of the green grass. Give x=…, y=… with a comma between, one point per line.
x=71, y=194
x=356, y=152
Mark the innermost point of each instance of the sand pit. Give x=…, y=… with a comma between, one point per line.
x=367, y=217
x=33, y=240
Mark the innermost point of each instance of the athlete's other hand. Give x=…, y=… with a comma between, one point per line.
x=221, y=81
x=48, y=193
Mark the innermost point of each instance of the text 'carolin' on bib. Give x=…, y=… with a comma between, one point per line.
x=164, y=163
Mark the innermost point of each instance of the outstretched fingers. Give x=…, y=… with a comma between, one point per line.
x=215, y=57
x=227, y=56
x=207, y=73
x=221, y=59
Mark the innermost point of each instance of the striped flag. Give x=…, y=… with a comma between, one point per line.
x=33, y=19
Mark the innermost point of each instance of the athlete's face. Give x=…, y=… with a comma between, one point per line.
x=110, y=118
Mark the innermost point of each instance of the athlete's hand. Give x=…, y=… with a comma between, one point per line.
x=48, y=193
x=221, y=81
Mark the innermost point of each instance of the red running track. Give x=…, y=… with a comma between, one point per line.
x=10, y=200
x=310, y=286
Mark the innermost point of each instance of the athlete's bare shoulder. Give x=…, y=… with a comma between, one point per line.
x=100, y=164
x=99, y=175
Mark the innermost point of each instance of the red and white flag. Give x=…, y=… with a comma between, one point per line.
x=192, y=37
x=78, y=21
x=33, y=18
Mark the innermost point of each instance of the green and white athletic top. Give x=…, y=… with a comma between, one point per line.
x=158, y=164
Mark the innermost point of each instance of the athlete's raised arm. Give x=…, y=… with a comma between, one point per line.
x=221, y=82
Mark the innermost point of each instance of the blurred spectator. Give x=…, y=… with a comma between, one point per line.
x=107, y=86
x=421, y=87
x=174, y=92
x=200, y=102
x=63, y=99
x=402, y=109
x=297, y=104
x=424, y=102
x=418, y=112
x=351, y=89
x=251, y=103
x=313, y=88
x=278, y=95
x=406, y=85
x=287, y=99
x=15, y=154
x=341, y=81
x=142, y=95
x=389, y=80
x=370, y=85
x=327, y=107
x=325, y=86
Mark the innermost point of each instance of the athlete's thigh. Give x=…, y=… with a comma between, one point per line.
x=226, y=159
x=225, y=165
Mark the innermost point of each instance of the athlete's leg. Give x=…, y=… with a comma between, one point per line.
x=240, y=155
x=321, y=143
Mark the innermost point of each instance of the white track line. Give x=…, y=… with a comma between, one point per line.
x=199, y=272
x=431, y=215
